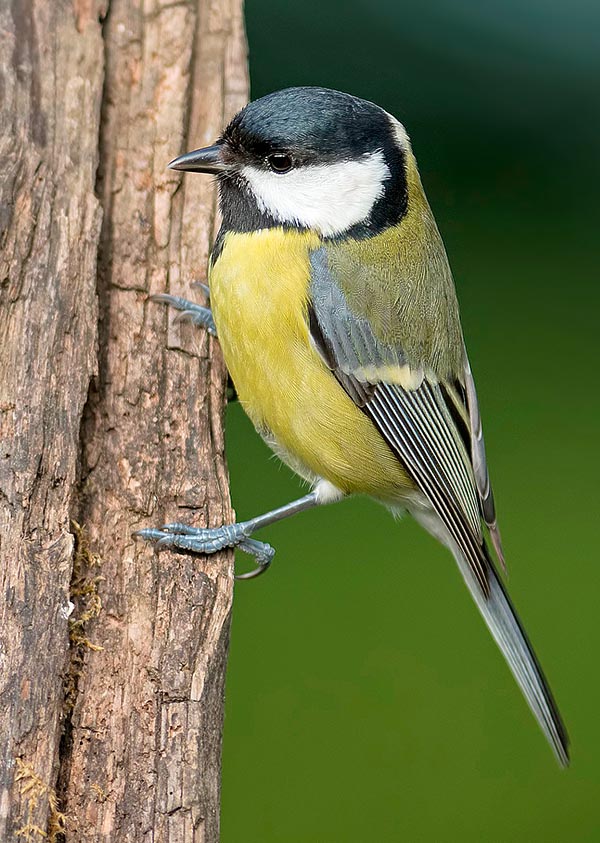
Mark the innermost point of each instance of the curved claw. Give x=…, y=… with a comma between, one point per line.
x=185, y=316
x=200, y=285
x=254, y=573
x=166, y=298
x=262, y=552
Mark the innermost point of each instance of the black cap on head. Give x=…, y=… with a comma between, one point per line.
x=316, y=124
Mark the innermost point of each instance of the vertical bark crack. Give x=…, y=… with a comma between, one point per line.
x=103, y=420
x=84, y=598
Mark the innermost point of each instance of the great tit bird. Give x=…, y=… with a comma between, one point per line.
x=335, y=307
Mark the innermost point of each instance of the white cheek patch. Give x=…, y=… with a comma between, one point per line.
x=327, y=197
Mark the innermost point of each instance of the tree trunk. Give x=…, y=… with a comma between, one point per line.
x=110, y=418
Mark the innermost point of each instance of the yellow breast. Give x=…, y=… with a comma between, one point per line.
x=259, y=295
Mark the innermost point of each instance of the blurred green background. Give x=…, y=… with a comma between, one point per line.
x=365, y=699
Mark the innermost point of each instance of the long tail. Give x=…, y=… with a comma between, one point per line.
x=507, y=630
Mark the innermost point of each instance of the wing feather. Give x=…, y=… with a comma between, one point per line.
x=479, y=461
x=432, y=424
x=404, y=423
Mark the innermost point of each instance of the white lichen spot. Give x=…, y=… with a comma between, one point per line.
x=66, y=611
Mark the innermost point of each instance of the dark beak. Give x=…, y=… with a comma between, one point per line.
x=207, y=160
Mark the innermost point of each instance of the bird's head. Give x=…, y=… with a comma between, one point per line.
x=309, y=158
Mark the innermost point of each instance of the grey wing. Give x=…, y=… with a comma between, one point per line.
x=434, y=428
x=412, y=411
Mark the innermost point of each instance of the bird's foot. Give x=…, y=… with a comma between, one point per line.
x=181, y=538
x=195, y=313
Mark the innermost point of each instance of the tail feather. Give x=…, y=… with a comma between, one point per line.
x=507, y=630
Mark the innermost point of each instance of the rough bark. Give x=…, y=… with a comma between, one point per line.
x=118, y=709
x=49, y=228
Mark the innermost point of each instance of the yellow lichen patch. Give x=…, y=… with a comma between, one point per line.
x=101, y=794
x=84, y=593
x=32, y=789
x=84, y=587
x=57, y=821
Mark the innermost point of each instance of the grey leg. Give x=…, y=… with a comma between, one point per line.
x=184, y=539
x=195, y=313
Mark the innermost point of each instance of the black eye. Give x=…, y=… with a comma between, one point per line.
x=280, y=162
